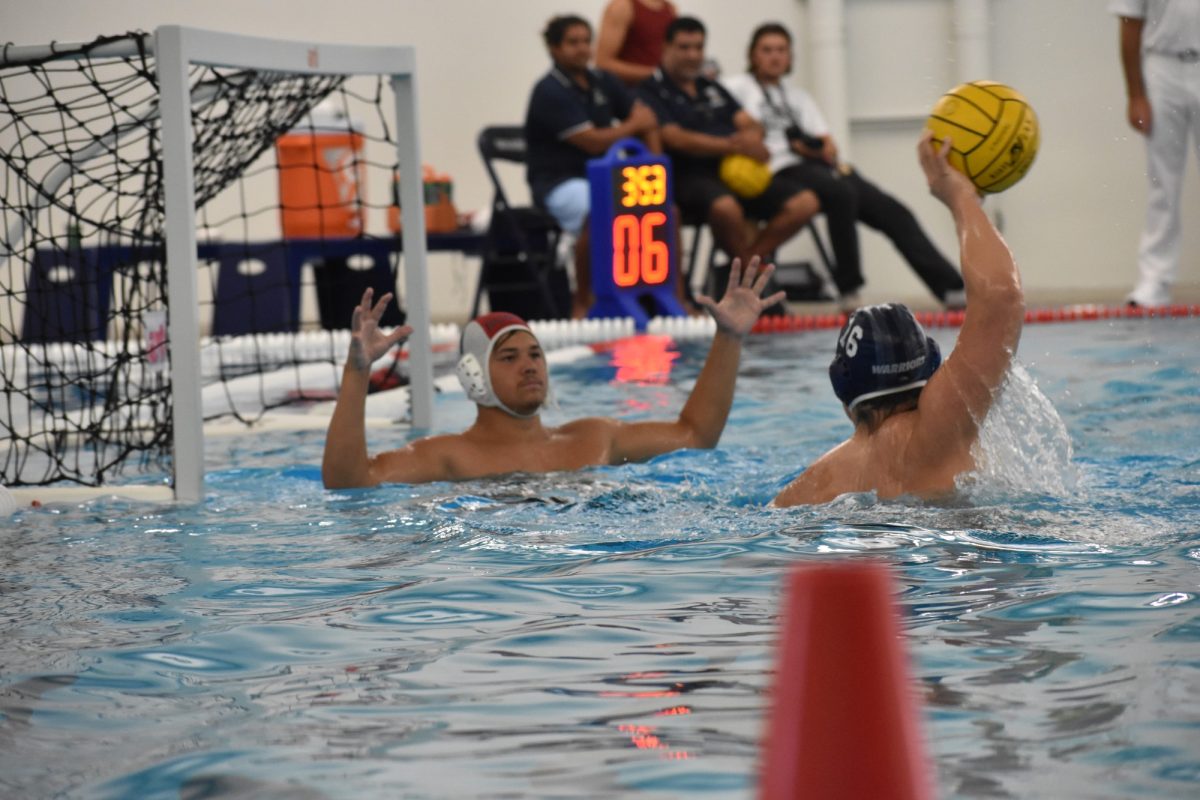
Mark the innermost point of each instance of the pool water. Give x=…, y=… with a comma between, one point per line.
x=610, y=633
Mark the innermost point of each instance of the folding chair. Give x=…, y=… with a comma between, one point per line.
x=520, y=251
x=801, y=281
x=804, y=280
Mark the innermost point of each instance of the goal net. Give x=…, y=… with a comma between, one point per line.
x=188, y=219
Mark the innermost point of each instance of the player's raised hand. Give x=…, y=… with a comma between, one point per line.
x=367, y=341
x=945, y=182
x=743, y=302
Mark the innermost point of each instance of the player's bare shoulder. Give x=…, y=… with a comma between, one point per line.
x=817, y=484
x=429, y=459
x=588, y=429
x=588, y=440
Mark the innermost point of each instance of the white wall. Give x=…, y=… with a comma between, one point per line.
x=1073, y=222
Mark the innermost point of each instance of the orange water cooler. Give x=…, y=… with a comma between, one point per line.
x=322, y=179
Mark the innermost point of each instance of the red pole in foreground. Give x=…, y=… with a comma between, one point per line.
x=843, y=718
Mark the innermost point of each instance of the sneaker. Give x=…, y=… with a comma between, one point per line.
x=1149, y=295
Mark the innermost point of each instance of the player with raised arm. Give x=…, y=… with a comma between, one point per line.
x=503, y=370
x=916, y=419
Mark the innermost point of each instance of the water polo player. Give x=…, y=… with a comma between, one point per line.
x=915, y=419
x=503, y=370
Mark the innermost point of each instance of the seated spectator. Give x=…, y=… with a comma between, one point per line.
x=576, y=113
x=700, y=123
x=630, y=41
x=804, y=154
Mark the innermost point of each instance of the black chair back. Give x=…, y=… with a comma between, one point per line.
x=521, y=246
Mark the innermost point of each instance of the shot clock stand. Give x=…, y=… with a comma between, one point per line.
x=632, y=220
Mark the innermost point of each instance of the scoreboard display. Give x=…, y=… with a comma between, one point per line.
x=632, y=230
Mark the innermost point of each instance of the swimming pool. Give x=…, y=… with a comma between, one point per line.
x=610, y=632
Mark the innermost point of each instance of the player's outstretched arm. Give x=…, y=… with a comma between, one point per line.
x=960, y=393
x=704, y=414
x=345, y=463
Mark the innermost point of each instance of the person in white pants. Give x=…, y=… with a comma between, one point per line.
x=1160, y=53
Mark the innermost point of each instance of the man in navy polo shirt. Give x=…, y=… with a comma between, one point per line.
x=575, y=114
x=700, y=122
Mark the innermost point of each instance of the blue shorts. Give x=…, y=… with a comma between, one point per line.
x=569, y=203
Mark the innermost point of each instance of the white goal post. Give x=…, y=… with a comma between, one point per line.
x=176, y=50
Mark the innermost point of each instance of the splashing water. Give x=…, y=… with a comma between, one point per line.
x=1023, y=444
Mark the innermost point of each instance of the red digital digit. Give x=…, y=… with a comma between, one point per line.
x=637, y=256
x=627, y=256
x=656, y=257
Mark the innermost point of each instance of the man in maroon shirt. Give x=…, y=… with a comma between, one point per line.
x=631, y=36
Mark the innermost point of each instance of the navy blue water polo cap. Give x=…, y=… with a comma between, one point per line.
x=881, y=350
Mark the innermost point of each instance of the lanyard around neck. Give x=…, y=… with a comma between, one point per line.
x=786, y=110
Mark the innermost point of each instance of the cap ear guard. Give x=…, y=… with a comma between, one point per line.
x=841, y=370
x=934, y=359
x=839, y=376
x=470, y=375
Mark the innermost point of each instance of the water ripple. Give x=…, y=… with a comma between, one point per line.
x=614, y=631
x=184, y=661
x=434, y=616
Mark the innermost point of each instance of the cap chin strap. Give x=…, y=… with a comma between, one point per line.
x=884, y=392
x=933, y=360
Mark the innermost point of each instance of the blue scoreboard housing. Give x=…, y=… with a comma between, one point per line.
x=632, y=234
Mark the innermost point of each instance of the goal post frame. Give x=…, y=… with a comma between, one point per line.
x=175, y=48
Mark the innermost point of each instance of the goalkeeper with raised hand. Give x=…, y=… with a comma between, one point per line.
x=503, y=370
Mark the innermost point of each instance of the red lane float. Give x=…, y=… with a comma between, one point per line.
x=954, y=319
